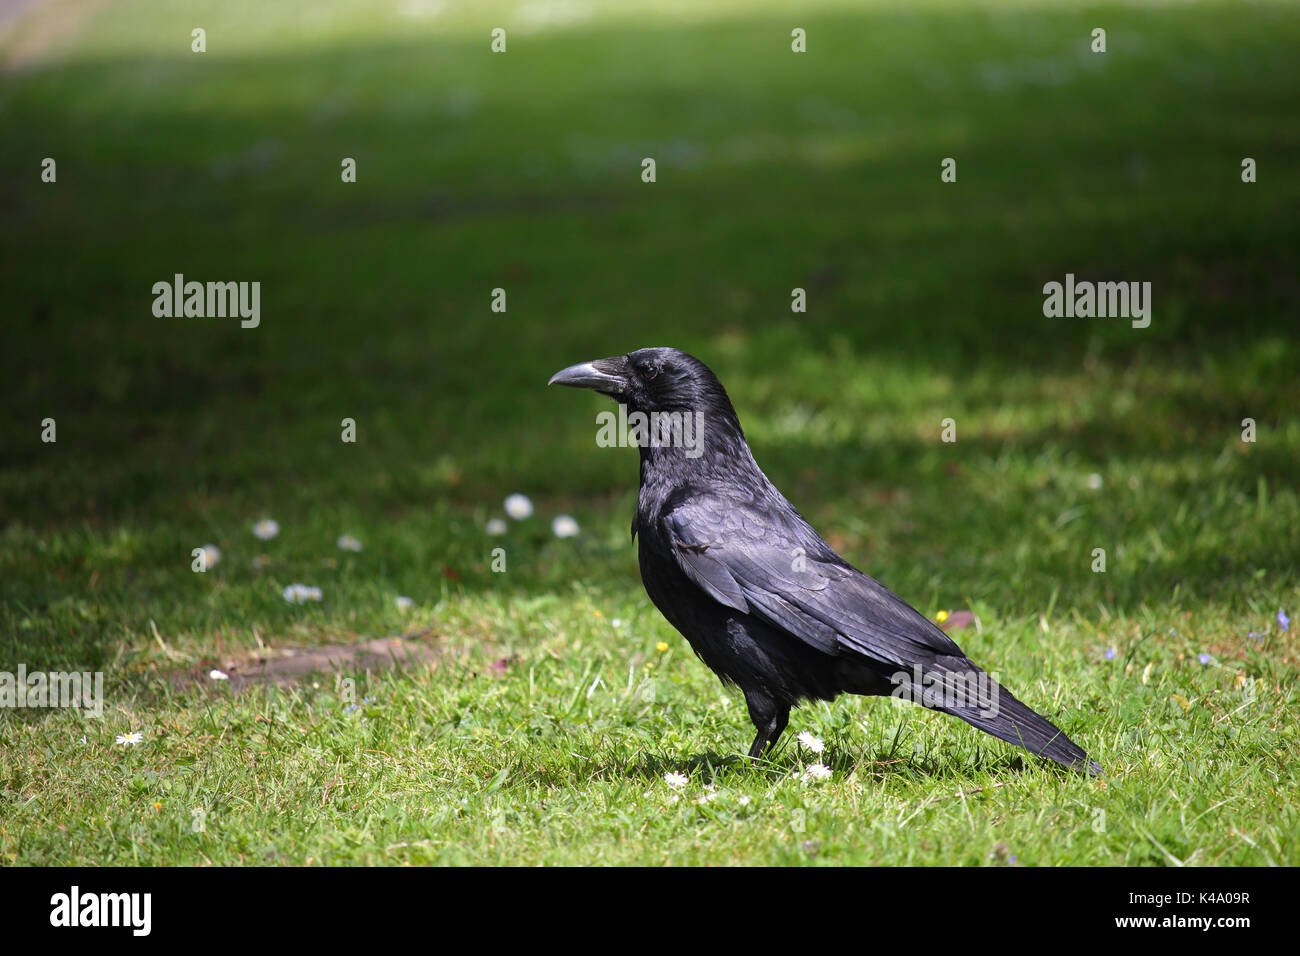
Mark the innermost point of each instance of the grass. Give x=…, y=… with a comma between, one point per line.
x=541, y=732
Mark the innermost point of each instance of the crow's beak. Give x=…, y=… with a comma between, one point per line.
x=607, y=376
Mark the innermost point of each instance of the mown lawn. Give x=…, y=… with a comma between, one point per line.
x=546, y=719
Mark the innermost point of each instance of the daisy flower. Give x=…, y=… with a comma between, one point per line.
x=404, y=603
x=815, y=744
x=348, y=543
x=676, y=780
x=817, y=771
x=496, y=526
x=131, y=739
x=564, y=526
x=215, y=674
x=211, y=555
x=266, y=529
x=519, y=507
x=301, y=593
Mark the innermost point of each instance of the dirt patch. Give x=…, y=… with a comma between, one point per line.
x=958, y=620
x=285, y=666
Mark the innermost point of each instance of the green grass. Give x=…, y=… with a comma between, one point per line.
x=522, y=171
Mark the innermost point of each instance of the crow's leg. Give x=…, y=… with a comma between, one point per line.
x=769, y=717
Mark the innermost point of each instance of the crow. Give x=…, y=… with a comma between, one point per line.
x=766, y=603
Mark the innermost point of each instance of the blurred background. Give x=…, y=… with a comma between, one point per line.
x=522, y=170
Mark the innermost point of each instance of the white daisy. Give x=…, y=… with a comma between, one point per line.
x=404, y=603
x=215, y=674
x=496, y=526
x=131, y=739
x=300, y=593
x=348, y=543
x=266, y=529
x=519, y=507
x=211, y=555
x=815, y=744
x=817, y=771
x=1094, y=481
x=564, y=526
x=676, y=780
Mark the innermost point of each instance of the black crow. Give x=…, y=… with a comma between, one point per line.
x=762, y=599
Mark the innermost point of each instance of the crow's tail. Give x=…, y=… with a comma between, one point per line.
x=969, y=693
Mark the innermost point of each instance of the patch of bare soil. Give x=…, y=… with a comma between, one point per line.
x=285, y=666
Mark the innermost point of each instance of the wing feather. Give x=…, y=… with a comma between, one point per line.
x=782, y=572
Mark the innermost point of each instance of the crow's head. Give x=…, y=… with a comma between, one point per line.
x=652, y=380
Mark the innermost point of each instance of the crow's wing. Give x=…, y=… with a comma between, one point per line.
x=771, y=564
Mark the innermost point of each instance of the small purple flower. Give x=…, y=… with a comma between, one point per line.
x=1283, y=621
x=1110, y=653
x=1204, y=658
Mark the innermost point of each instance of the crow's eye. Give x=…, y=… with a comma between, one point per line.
x=648, y=371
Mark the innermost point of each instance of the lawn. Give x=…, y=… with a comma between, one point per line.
x=547, y=709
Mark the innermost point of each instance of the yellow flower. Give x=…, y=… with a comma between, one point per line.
x=661, y=646
x=157, y=805
x=941, y=616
